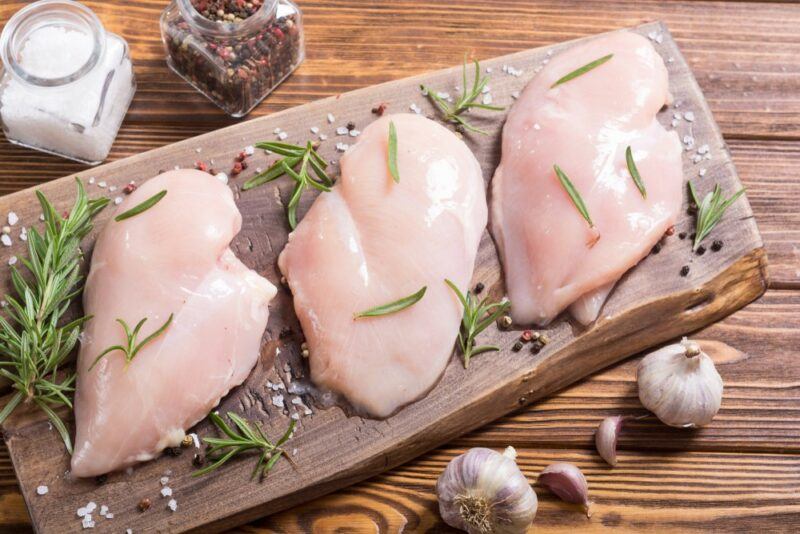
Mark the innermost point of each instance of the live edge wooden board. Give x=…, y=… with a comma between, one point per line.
x=650, y=305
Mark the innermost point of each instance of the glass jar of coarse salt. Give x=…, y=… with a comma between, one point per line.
x=66, y=83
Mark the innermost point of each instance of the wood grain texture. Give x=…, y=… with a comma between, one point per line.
x=632, y=321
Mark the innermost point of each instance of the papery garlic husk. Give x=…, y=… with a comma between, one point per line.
x=606, y=437
x=483, y=492
x=568, y=483
x=680, y=385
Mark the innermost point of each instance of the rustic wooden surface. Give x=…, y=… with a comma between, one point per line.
x=745, y=58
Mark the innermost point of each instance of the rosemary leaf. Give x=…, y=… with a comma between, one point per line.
x=710, y=210
x=393, y=152
x=478, y=315
x=582, y=70
x=293, y=155
x=132, y=347
x=144, y=206
x=246, y=437
x=573, y=194
x=466, y=101
x=34, y=339
x=637, y=179
x=393, y=307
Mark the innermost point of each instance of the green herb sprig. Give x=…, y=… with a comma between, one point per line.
x=393, y=307
x=710, y=210
x=478, y=315
x=582, y=70
x=452, y=112
x=144, y=206
x=392, y=156
x=573, y=194
x=34, y=340
x=310, y=174
x=248, y=437
x=131, y=347
x=637, y=178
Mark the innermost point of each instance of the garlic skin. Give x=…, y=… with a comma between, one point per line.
x=680, y=385
x=568, y=483
x=605, y=439
x=483, y=492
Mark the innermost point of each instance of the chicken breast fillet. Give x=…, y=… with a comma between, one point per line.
x=172, y=259
x=372, y=241
x=551, y=257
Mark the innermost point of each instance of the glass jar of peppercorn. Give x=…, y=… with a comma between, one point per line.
x=233, y=51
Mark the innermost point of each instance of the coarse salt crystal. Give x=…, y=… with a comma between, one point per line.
x=702, y=172
x=128, y=531
x=314, y=130
x=23, y=234
x=355, y=133
x=341, y=147
x=6, y=240
x=282, y=136
x=677, y=116
x=487, y=99
x=3, y=303
x=87, y=521
x=689, y=116
x=198, y=150
x=112, y=188
x=12, y=260
x=697, y=158
x=103, y=509
x=675, y=123
x=6, y=229
x=42, y=490
x=222, y=177
x=91, y=506
x=297, y=400
x=118, y=201
x=82, y=511
x=166, y=491
x=415, y=108
x=515, y=95
x=164, y=481
x=276, y=131
x=12, y=218
x=109, y=515
x=703, y=149
x=342, y=130
x=322, y=137
x=331, y=118
x=102, y=184
x=172, y=504
x=91, y=180
x=249, y=150
x=296, y=416
x=277, y=400
x=536, y=126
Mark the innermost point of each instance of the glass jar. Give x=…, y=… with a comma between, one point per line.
x=236, y=61
x=66, y=83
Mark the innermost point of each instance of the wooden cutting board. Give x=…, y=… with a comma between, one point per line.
x=650, y=305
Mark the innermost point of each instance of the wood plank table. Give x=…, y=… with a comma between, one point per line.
x=741, y=473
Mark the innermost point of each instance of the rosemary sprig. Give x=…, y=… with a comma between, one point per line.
x=710, y=210
x=393, y=153
x=131, y=347
x=452, y=112
x=34, y=340
x=478, y=315
x=293, y=155
x=582, y=70
x=637, y=178
x=144, y=206
x=573, y=194
x=393, y=307
x=249, y=437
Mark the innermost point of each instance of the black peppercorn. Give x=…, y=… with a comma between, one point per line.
x=198, y=460
x=517, y=346
x=685, y=270
x=700, y=250
x=479, y=287
x=173, y=451
x=656, y=248
x=716, y=246
x=101, y=479
x=682, y=235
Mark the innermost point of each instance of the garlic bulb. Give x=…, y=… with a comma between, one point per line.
x=483, y=492
x=680, y=384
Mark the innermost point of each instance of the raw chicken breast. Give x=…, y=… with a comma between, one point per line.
x=372, y=241
x=551, y=257
x=171, y=259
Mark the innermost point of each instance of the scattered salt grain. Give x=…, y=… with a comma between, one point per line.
x=487, y=99
x=12, y=260
x=415, y=108
x=12, y=218
x=42, y=490
x=342, y=130
x=515, y=95
x=536, y=126
x=103, y=510
x=87, y=521
x=677, y=116
x=41, y=217
x=81, y=512
x=488, y=70
x=697, y=158
x=3, y=303
x=322, y=137
x=164, y=481
x=331, y=118
x=249, y=150
x=128, y=531
x=703, y=150
x=675, y=123
x=118, y=201
x=355, y=133
x=297, y=400
x=701, y=172
x=277, y=400
x=342, y=147
x=296, y=416
x=314, y=130
x=166, y=491
x=102, y=185
x=112, y=188
x=172, y=504
x=5, y=240
x=282, y=136
x=222, y=177
x=689, y=116
x=109, y=515
x=91, y=180
x=198, y=150
x=276, y=131
x=91, y=507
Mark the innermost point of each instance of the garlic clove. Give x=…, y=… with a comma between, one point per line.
x=606, y=437
x=680, y=385
x=483, y=491
x=568, y=483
